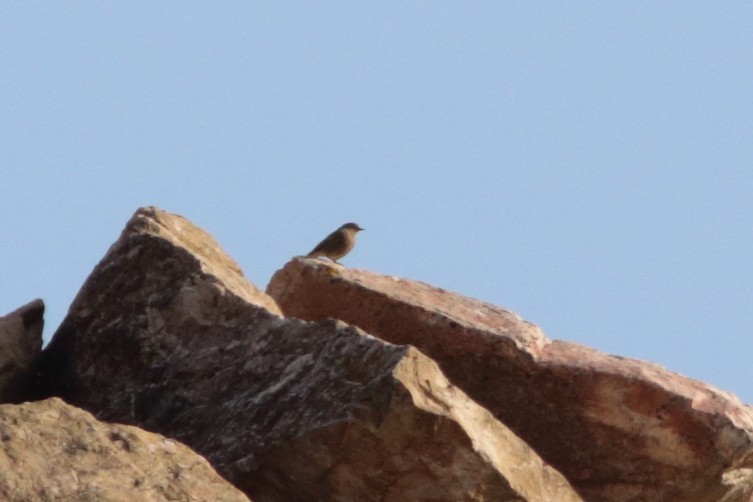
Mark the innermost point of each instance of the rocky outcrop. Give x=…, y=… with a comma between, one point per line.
x=20, y=344
x=167, y=334
x=619, y=429
x=52, y=451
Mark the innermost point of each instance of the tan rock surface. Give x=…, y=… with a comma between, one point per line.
x=164, y=334
x=51, y=451
x=20, y=344
x=619, y=429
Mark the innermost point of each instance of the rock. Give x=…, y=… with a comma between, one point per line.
x=619, y=429
x=167, y=334
x=741, y=483
x=20, y=344
x=416, y=438
x=52, y=451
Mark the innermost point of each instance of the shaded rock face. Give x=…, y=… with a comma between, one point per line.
x=20, y=344
x=52, y=451
x=619, y=429
x=168, y=335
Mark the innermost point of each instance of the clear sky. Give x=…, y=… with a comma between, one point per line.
x=588, y=165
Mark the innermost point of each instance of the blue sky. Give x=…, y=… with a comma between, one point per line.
x=588, y=165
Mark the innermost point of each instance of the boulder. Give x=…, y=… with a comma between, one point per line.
x=20, y=344
x=619, y=429
x=52, y=451
x=167, y=334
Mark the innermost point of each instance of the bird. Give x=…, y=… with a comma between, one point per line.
x=338, y=243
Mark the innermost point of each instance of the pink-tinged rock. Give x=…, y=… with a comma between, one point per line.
x=166, y=334
x=20, y=344
x=619, y=429
x=52, y=451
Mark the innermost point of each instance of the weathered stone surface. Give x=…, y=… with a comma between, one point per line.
x=740, y=483
x=619, y=429
x=414, y=438
x=162, y=335
x=52, y=451
x=20, y=344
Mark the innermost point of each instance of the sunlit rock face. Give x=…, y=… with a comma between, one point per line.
x=50, y=450
x=619, y=429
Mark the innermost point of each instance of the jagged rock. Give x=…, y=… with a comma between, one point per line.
x=167, y=334
x=20, y=344
x=740, y=482
x=619, y=429
x=52, y=451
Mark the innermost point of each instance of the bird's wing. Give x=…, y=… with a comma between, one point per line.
x=334, y=240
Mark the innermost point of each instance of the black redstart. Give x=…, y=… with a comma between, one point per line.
x=338, y=243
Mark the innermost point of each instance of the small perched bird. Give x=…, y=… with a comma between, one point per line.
x=338, y=243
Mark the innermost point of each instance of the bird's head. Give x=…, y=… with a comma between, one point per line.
x=351, y=226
